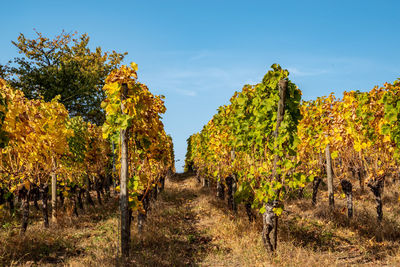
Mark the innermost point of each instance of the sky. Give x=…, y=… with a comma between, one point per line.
x=198, y=53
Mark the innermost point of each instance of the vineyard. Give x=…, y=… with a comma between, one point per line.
x=48, y=155
x=295, y=175
x=267, y=148
x=199, y=133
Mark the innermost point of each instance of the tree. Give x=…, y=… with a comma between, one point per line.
x=63, y=66
x=3, y=71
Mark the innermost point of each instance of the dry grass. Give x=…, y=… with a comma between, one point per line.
x=188, y=226
x=309, y=236
x=70, y=238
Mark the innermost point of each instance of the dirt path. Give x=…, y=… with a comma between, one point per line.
x=188, y=226
x=171, y=236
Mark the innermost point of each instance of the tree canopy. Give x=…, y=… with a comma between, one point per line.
x=65, y=66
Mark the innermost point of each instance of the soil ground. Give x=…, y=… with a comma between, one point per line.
x=188, y=226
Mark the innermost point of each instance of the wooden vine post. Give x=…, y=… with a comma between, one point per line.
x=54, y=192
x=113, y=165
x=231, y=187
x=125, y=229
x=270, y=219
x=329, y=175
x=279, y=118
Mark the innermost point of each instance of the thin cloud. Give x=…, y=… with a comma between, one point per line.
x=199, y=55
x=303, y=73
x=197, y=73
x=194, y=81
x=186, y=92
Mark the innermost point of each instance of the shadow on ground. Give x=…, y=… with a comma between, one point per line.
x=170, y=237
x=53, y=245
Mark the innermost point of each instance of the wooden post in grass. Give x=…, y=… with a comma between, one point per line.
x=329, y=175
x=283, y=84
x=113, y=166
x=54, y=192
x=270, y=219
x=232, y=187
x=125, y=229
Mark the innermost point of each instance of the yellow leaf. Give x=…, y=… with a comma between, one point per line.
x=334, y=154
x=134, y=66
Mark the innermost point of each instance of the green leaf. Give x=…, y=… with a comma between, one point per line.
x=386, y=129
x=262, y=210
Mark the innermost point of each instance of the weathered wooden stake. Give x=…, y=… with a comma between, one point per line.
x=270, y=220
x=54, y=193
x=232, y=187
x=125, y=229
x=329, y=175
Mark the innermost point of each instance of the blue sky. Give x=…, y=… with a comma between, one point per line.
x=197, y=53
